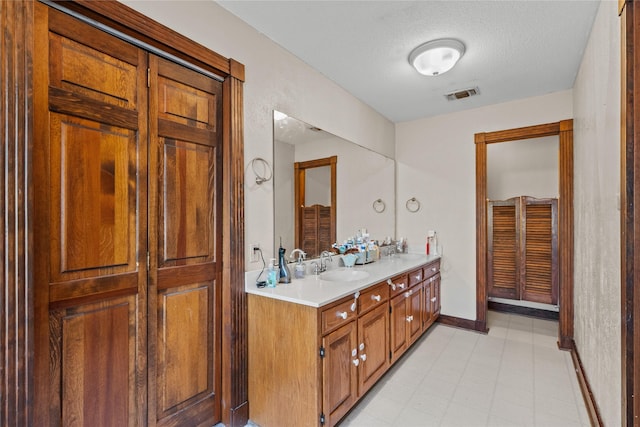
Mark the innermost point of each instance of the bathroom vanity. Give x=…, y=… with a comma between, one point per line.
x=318, y=344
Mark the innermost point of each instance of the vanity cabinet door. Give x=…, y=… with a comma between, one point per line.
x=398, y=326
x=435, y=298
x=373, y=342
x=414, y=313
x=426, y=305
x=340, y=372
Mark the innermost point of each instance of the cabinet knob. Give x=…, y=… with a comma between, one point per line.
x=356, y=361
x=402, y=285
x=354, y=352
x=376, y=297
x=408, y=294
x=344, y=315
x=361, y=346
x=433, y=269
x=393, y=285
x=433, y=299
x=363, y=357
x=409, y=318
x=354, y=305
x=418, y=277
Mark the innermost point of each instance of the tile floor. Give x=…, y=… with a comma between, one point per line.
x=514, y=376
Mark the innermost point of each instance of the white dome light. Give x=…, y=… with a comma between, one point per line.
x=436, y=57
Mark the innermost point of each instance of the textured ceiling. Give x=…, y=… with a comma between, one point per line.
x=514, y=49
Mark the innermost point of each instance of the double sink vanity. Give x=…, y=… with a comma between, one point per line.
x=318, y=344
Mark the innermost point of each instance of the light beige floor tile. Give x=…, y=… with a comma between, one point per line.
x=410, y=417
x=518, y=415
x=458, y=415
x=515, y=394
x=473, y=397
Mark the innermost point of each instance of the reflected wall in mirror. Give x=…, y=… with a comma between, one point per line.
x=362, y=177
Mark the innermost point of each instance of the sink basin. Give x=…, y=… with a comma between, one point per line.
x=344, y=275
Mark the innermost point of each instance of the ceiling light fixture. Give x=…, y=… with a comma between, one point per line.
x=436, y=57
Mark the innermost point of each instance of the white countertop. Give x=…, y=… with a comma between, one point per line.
x=315, y=292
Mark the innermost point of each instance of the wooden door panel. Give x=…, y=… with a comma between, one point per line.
x=373, y=341
x=502, y=272
x=84, y=61
x=427, y=314
x=540, y=283
x=339, y=372
x=186, y=200
x=184, y=244
x=414, y=315
x=90, y=239
x=97, y=363
x=398, y=326
x=183, y=346
x=93, y=182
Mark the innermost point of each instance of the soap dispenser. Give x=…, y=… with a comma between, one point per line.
x=285, y=274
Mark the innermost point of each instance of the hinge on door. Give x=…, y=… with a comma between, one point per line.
x=148, y=260
x=321, y=352
x=148, y=77
x=322, y=420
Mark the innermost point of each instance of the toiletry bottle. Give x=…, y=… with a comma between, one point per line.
x=285, y=274
x=427, y=246
x=299, y=271
x=272, y=274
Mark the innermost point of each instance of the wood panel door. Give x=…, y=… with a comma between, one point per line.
x=503, y=233
x=184, y=245
x=128, y=233
x=339, y=372
x=540, y=247
x=523, y=249
x=414, y=317
x=398, y=326
x=373, y=344
x=90, y=206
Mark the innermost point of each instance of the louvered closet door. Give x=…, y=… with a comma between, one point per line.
x=185, y=237
x=503, y=252
x=90, y=236
x=540, y=281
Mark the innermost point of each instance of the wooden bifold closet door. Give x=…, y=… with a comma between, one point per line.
x=523, y=249
x=127, y=246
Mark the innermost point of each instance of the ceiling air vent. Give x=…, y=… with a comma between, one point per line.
x=461, y=94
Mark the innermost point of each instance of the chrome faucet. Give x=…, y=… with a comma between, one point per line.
x=323, y=255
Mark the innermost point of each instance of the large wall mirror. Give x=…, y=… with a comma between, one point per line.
x=353, y=182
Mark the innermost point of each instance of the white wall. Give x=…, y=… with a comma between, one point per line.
x=523, y=168
x=436, y=164
x=596, y=99
x=275, y=79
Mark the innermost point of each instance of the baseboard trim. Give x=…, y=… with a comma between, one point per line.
x=525, y=311
x=459, y=322
x=587, y=395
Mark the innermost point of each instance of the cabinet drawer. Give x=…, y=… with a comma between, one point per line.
x=398, y=284
x=338, y=315
x=415, y=277
x=431, y=269
x=373, y=297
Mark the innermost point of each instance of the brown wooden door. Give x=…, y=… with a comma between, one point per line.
x=184, y=244
x=503, y=272
x=90, y=206
x=373, y=344
x=125, y=157
x=339, y=372
x=523, y=249
x=427, y=315
x=414, y=302
x=435, y=297
x=398, y=326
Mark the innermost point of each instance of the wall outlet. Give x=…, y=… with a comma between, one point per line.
x=254, y=252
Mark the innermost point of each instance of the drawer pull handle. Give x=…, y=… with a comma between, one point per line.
x=361, y=346
x=353, y=306
x=402, y=285
x=356, y=362
x=433, y=299
x=409, y=318
x=344, y=315
x=354, y=352
x=393, y=285
x=376, y=297
x=418, y=277
x=363, y=357
x=433, y=269
x=408, y=294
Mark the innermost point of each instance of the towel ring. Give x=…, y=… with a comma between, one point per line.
x=413, y=205
x=259, y=178
x=379, y=206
